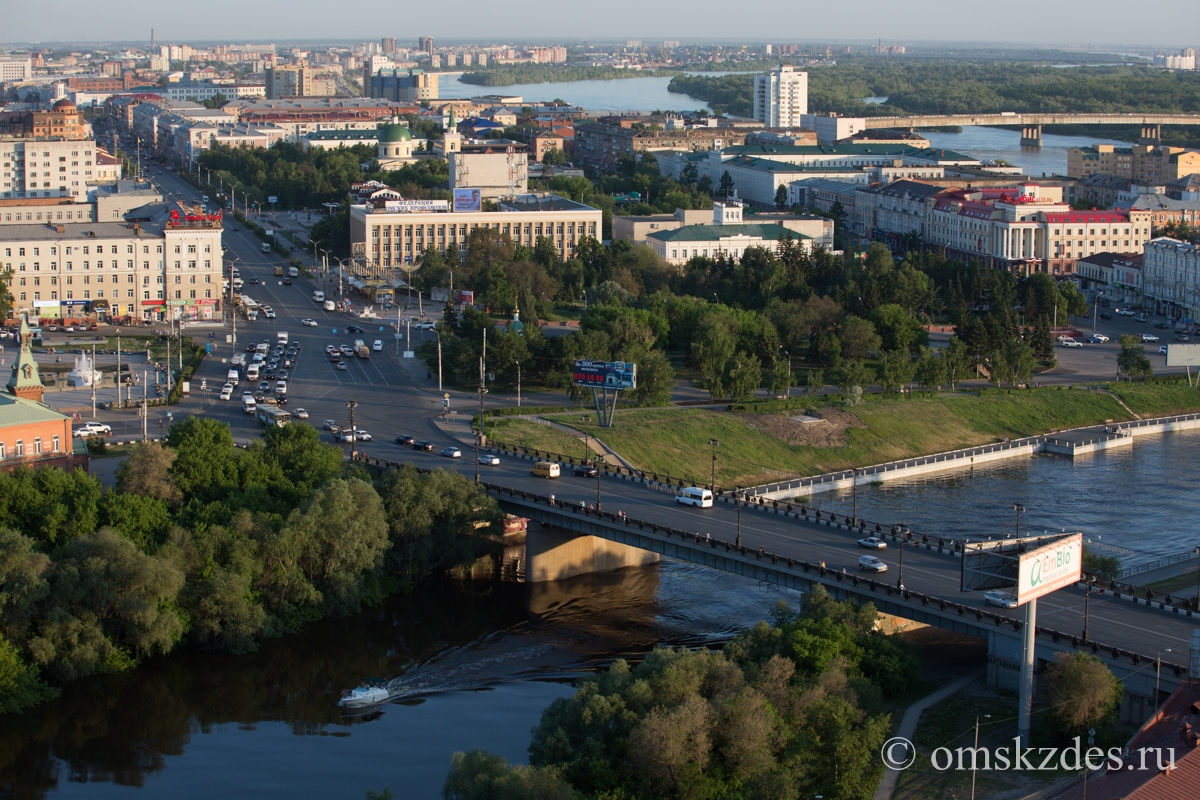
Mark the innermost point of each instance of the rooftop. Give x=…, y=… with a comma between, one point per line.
x=19, y=411
x=825, y=149
x=715, y=233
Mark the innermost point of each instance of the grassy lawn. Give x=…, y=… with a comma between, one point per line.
x=532, y=435
x=1158, y=400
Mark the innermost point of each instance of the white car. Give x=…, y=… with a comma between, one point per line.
x=1162, y=350
x=378, y=345
x=361, y=435
x=300, y=413
x=92, y=429
x=451, y=452
x=490, y=460
x=1149, y=337
x=999, y=598
x=427, y=325
x=872, y=543
x=226, y=393
x=270, y=313
x=308, y=322
x=1072, y=343
x=872, y=564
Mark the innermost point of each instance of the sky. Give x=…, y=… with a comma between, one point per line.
x=1107, y=22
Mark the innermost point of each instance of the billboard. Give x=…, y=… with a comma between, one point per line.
x=411, y=206
x=605, y=374
x=1183, y=355
x=467, y=200
x=1048, y=568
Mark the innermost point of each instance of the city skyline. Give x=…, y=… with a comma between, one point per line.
x=1029, y=22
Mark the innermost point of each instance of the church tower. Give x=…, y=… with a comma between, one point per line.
x=25, y=381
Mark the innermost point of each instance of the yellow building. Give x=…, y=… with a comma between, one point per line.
x=1100, y=159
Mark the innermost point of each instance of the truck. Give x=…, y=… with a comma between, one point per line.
x=361, y=349
x=281, y=337
x=272, y=416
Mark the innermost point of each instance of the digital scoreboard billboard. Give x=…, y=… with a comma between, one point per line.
x=605, y=374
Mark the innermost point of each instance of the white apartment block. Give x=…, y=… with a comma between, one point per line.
x=46, y=168
x=199, y=92
x=781, y=98
x=16, y=69
x=114, y=269
x=1171, y=276
x=391, y=238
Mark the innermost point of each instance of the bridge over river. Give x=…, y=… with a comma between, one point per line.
x=1031, y=124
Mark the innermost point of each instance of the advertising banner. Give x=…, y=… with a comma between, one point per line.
x=1048, y=568
x=467, y=200
x=410, y=206
x=605, y=374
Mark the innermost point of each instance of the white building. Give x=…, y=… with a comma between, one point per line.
x=16, y=69
x=115, y=268
x=199, y=92
x=720, y=241
x=781, y=98
x=1171, y=276
x=832, y=128
x=47, y=168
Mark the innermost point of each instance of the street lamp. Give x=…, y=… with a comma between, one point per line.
x=1158, y=674
x=439, y=354
x=985, y=716
x=788, y=391
x=518, y=384
x=352, y=404
x=1017, y=507
x=900, y=576
x=1087, y=593
x=854, y=494
x=479, y=436
x=737, y=499
x=712, y=486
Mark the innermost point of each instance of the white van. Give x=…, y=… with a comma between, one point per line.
x=280, y=387
x=266, y=247
x=318, y=297
x=232, y=377
x=249, y=404
x=252, y=372
x=293, y=272
x=330, y=305
x=692, y=496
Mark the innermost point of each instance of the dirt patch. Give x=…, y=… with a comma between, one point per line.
x=827, y=431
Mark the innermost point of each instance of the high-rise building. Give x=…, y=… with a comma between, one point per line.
x=389, y=45
x=425, y=44
x=16, y=68
x=289, y=81
x=781, y=97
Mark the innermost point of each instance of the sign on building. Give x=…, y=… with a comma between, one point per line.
x=1048, y=568
x=467, y=200
x=605, y=374
x=412, y=206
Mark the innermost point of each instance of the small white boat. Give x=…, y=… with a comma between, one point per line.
x=363, y=696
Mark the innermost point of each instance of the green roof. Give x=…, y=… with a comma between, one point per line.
x=395, y=133
x=19, y=411
x=714, y=233
x=341, y=135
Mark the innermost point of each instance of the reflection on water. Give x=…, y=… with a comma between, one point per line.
x=203, y=724
x=1140, y=498
x=996, y=144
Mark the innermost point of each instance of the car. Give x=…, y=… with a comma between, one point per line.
x=329, y=348
x=1072, y=343
x=1182, y=337
x=873, y=543
x=362, y=435
x=1064, y=338
x=423, y=446
x=451, y=452
x=281, y=375
x=1149, y=337
x=490, y=460
x=1162, y=326
x=378, y=345
x=871, y=564
x=226, y=392
x=426, y=325
x=331, y=425
x=403, y=439
x=1162, y=351
x=264, y=386
x=1105, y=315
x=300, y=413
x=346, y=350
x=1140, y=318
x=236, y=229
x=308, y=322
x=287, y=281
x=343, y=365
x=269, y=312
x=584, y=471
x=92, y=429
x=999, y=598
x=344, y=436
x=1097, y=338
x=353, y=329
x=270, y=373
x=253, y=281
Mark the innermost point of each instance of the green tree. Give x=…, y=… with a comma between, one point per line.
x=931, y=369
x=1131, y=360
x=20, y=685
x=477, y=775
x=1083, y=692
x=146, y=472
x=655, y=380
x=897, y=329
x=896, y=371
x=858, y=338
x=6, y=298
x=1104, y=568
x=1042, y=342
x=958, y=361
x=712, y=347
x=779, y=378
x=815, y=381
x=726, y=185
x=855, y=375
x=24, y=582
x=1021, y=360
x=781, y=198
x=743, y=374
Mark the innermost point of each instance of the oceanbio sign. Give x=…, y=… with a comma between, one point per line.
x=1048, y=568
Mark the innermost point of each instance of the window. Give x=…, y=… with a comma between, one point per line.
x=19, y=449
x=3, y=454
x=37, y=446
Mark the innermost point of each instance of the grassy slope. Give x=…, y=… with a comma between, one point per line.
x=1158, y=400
x=531, y=434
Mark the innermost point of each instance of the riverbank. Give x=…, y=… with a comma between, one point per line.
x=819, y=435
x=553, y=73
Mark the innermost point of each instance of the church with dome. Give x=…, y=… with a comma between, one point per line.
x=395, y=147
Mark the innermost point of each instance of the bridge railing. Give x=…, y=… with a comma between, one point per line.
x=819, y=573
x=1150, y=566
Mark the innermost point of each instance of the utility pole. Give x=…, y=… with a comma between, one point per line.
x=352, y=404
x=479, y=435
x=168, y=363
x=1017, y=507
x=145, y=405
x=712, y=486
x=92, y=379
x=518, y=384
x=439, y=354
x=118, y=367
x=1087, y=593
x=737, y=499
x=985, y=716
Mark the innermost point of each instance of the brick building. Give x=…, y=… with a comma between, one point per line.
x=33, y=434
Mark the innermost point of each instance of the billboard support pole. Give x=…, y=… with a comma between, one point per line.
x=1025, y=701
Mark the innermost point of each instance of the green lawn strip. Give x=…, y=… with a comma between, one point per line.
x=524, y=433
x=1158, y=399
x=1185, y=585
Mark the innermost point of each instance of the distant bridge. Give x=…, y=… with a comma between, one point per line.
x=1031, y=124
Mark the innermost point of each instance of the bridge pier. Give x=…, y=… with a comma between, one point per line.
x=1151, y=134
x=1031, y=136
x=555, y=554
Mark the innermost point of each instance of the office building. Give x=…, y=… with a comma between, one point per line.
x=781, y=98
x=389, y=45
x=15, y=68
x=636, y=230
x=720, y=241
x=395, y=233
x=170, y=259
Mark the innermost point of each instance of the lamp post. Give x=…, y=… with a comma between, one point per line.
x=352, y=404
x=985, y=716
x=1196, y=551
x=854, y=494
x=1158, y=674
x=479, y=436
x=737, y=499
x=1087, y=593
x=518, y=384
x=900, y=575
x=712, y=486
x=1017, y=507
x=439, y=354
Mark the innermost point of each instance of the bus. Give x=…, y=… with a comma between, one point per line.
x=269, y=416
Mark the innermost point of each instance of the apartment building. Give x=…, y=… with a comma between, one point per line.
x=47, y=168
x=781, y=98
x=290, y=81
x=395, y=233
x=1171, y=277
x=1100, y=159
x=170, y=263
x=603, y=145
x=16, y=68
x=401, y=86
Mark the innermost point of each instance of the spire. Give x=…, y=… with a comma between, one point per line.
x=25, y=381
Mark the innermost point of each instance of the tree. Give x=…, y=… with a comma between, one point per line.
x=858, y=338
x=855, y=375
x=897, y=329
x=1104, y=568
x=779, y=378
x=477, y=775
x=897, y=370
x=743, y=374
x=781, y=198
x=958, y=361
x=816, y=381
x=726, y=185
x=1042, y=342
x=1021, y=360
x=931, y=369
x=147, y=472
x=713, y=345
x=20, y=686
x=655, y=380
x=6, y=298
x=1132, y=359
x=1083, y=692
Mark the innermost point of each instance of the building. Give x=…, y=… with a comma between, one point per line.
x=199, y=92
x=133, y=270
x=1100, y=159
x=1171, y=277
x=495, y=171
x=402, y=86
x=32, y=434
x=388, y=44
x=603, y=145
x=290, y=81
x=394, y=234
x=1164, y=210
x=47, y=167
x=15, y=68
x=781, y=98
x=831, y=128
x=394, y=146
x=425, y=44
x=637, y=229
x=824, y=195
x=719, y=241
x=1116, y=275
